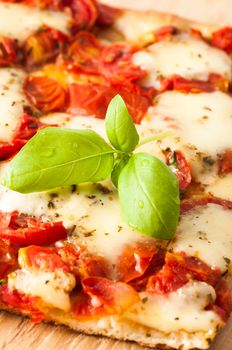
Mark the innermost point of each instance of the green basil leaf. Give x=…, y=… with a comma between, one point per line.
x=119, y=164
x=3, y=281
x=120, y=128
x=57, y=157
x=149, y=196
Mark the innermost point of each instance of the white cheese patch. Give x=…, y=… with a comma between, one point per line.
x=221, y=187
x=183, y=309
x=206, y=232
x=52, y=287
x=12, y=101
x=19, y=21
x=183, y=55
x=201, y=125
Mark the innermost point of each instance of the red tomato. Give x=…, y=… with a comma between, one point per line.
x=90, y=99
x=178, y=270
x=165, y=32
x=84, y=13
x=188, y=204
x=43, y=46
x=222, y=39
x=103, y=297
x=214, y=82
x=23, y=303
x=45, y=93
x=106, y=14
x=8, y=258
x=137, y=261
x=24, y=230
x=180, y=167
x=223, y=303
x=8, y=52
x=225, y=163
x=43, y=258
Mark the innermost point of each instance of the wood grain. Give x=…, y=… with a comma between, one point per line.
x=17, y=333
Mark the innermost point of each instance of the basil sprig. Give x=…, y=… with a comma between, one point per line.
x=55, y=157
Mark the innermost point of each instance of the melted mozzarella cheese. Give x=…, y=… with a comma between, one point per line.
x=205, y=232
x=221, y=187
x=19, y=21
x=198, y=122
x=52, y=287
x=182, y=55
x=180, y=310
x=12, y=100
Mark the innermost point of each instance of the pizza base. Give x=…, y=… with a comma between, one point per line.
x=114, y=328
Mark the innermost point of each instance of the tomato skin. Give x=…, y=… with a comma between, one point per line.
x=178, y=270
x=222, y=39
x=139, y=261
x=189, y=204
x=225, y=163
x=102, y=297
x=84, y=13
x=24, y=230
x=92, y=99
x=43, y=46
x=43, y=258
x=178, y=83
x=45, y=93
x=23, y=303
x=26, y=129
x=165, y=32
x=8, y=258
x=8, y=52
x=180, y=167
x=106, y=14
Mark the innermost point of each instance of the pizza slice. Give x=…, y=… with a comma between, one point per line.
x=67, y=254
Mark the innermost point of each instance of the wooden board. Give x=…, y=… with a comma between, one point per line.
x=17, y=333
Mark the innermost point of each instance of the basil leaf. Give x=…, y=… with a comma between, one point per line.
x=3, y=281
x=57, y=157
x=149, y=196
x=119, y=164
x=120, y=128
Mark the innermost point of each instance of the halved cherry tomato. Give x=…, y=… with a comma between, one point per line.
x=180, y=167
x=8, y=52
x=84, y=13
x=106, y=14
x=45, y=93
x=225, y=163
x=189, y=204
x=8, y=257
x=24, y=230
x=102, y=297
x=21, y=302
x=222, y=39
x=178, y=270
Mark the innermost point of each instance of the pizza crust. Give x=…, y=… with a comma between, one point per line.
x=114, y=328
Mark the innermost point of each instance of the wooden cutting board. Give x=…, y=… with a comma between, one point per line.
x=17, y=333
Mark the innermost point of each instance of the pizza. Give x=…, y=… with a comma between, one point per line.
x=67, y=253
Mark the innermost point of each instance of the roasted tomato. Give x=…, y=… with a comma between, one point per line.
x=223, y=304
x=214, y=82
x=137, y=260
x=93, y=99
x=8, y=257
x=8, y=52
x=222, y=39
x=180, y=167
x=165, y=33
x=24, y=303
x=26, y=129
x=106, y=14
x=24, y=230
x=43, y=258
x=225, y=163
x=178, y=270
x=45, y=93
x=188, y=204
x=43, y=46
x=84, y=13
x=102, y=297
x=82, y=263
